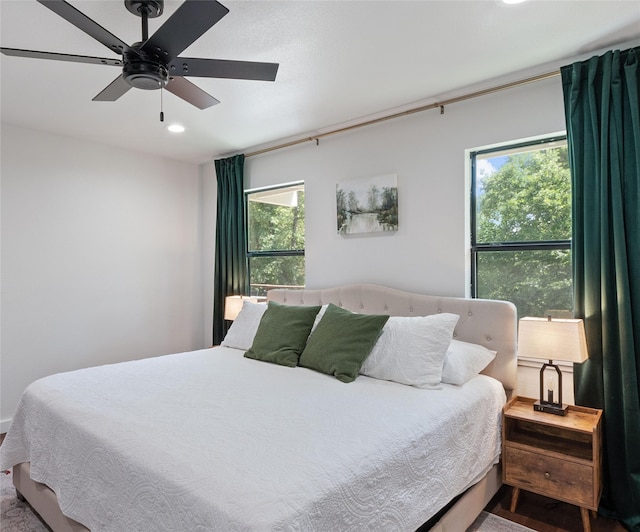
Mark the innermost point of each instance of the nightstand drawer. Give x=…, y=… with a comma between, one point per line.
x=553, y=477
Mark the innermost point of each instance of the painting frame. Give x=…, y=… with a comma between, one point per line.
x=367, y=205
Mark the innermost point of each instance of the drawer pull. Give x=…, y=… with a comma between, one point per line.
x=547, y=475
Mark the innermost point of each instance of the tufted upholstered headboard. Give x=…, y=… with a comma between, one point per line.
x=482, y=321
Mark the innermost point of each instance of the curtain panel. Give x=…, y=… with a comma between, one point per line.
x=230, y=276
x=602, y=114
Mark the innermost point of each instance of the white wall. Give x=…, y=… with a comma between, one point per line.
x=208, y=200
x=427, y=152
x=101, y=257
x=107, y=254
x=429, y=252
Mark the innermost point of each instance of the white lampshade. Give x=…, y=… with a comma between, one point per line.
x=233, y=305
x=559, y=339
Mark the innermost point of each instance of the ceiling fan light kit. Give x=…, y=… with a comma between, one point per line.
x=151, y=64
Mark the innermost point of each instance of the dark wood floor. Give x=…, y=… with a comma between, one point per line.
x=546, y=515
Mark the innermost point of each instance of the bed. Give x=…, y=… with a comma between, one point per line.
x=214, y=440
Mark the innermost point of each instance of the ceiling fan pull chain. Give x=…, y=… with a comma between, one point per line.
x=161, y=105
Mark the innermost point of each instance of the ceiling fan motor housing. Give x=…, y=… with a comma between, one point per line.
x=144, y=71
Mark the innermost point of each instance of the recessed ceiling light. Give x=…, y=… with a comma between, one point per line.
x=513, y=1
x=176, y=128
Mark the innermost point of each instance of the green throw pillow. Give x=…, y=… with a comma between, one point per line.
x=341, y=342
x=282, y=333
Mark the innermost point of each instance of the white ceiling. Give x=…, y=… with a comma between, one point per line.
x=340, y=61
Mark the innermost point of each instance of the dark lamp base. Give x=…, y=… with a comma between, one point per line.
x=551, y=408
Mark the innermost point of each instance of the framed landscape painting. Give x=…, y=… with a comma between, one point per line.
x=368, y=205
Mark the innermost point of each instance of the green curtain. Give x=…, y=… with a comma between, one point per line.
x=603, y=130
x=231, y=276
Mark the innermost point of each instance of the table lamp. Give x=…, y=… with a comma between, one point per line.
x=233, y=305
x=557, y=339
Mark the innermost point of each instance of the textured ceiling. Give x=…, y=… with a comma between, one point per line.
x=340, y=61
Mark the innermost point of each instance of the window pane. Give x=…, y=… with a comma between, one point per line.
x=276, y=219
x=276, y=234
x=274, y=272
x=535, y=281
x=523, y=194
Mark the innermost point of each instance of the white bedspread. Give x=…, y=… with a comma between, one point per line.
x=210, y=440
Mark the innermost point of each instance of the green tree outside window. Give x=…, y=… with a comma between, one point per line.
x=521, y=242
x=276, y=238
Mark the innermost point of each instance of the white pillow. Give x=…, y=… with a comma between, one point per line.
x=464, y=361
x=319, y=315
x=243, y=329
x=411, y=350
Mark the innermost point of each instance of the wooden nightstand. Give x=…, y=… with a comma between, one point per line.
x=556, y=456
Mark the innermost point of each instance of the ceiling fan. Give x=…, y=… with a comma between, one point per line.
x=153, y=63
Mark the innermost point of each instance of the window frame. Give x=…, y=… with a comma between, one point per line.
x=270, y=253
x=535, y=245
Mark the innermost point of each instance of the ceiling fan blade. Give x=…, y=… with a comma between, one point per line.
x=61, y=57
x=113, y=91
x=221, y=68
x=188, y=23
x=84, y=23
x=191, y=93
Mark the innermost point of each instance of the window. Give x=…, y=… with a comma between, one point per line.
x=521, y=226
x=275, y=225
